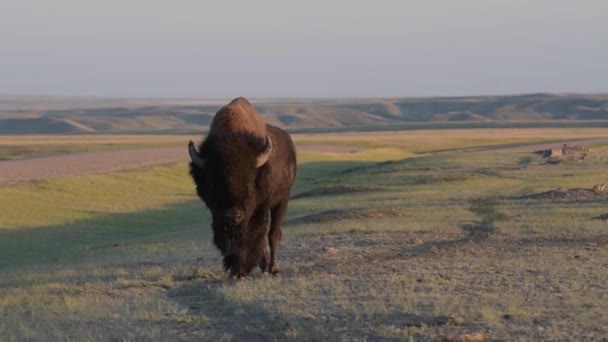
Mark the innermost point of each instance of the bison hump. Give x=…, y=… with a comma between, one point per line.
x=238, y=116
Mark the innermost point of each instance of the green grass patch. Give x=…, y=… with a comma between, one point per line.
x=64, y=200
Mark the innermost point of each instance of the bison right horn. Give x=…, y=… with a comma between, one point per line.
x=194, y=156
x=263, y=157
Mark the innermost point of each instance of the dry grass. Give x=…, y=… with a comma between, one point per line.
x=442, y=247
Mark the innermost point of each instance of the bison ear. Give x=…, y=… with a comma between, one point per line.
x=263, y=157
x=194, y=156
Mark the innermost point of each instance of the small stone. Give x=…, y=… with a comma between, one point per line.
x=331, y=250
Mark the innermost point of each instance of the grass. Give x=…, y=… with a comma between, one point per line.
x=65, y=200
x=428, y=246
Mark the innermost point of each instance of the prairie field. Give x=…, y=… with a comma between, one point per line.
x=453, y=234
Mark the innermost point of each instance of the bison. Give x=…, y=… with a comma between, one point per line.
x=244, y=171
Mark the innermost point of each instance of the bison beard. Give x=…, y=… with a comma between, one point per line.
x=244, y=180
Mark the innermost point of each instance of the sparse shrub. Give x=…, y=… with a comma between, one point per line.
x=226, y=338
x=525, y=161
x=486, y=209
x=291, y=332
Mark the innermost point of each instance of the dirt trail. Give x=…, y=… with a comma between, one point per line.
x=35, y=169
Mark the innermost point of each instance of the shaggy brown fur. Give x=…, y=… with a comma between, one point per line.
x=238, y=116
x=243, y=178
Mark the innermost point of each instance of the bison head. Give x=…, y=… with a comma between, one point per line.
x=225, y=171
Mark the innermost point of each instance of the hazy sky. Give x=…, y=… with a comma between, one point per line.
x=312, y=48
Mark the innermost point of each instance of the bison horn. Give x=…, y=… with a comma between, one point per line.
x=194, y=156
x=263, y=157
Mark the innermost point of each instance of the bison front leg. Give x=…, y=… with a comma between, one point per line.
x=264, y=263
x=236, y=266
x=258, y=253
x=274, y=234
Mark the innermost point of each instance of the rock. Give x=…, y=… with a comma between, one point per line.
x=416, y=241
x=456, y=320
x=511, y=316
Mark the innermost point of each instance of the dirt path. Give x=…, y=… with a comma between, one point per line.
x=35, y=169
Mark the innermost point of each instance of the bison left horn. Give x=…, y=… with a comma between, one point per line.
x=194, y=156
x=263, y=157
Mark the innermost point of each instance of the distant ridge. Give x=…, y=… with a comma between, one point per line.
x=72, y=115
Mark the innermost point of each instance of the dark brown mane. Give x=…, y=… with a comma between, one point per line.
x=234, y=156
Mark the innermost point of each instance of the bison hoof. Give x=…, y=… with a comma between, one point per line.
x=274, y=268
x=237, y=276
x=264, y=266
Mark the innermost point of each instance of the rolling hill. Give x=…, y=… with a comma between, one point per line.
x=72, y=115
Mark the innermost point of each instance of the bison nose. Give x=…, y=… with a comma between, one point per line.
x=235, y=216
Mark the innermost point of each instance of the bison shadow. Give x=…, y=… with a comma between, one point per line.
x=253, y=321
